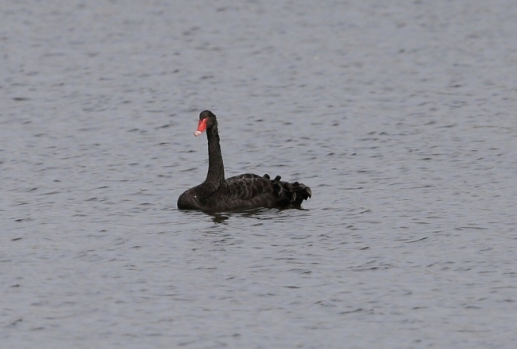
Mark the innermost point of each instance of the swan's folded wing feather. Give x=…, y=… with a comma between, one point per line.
x=248, y=186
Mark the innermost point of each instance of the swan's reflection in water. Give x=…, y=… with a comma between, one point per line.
x=257, y=213
x=219, y=218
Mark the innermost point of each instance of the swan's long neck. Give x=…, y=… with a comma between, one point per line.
x=215, y=158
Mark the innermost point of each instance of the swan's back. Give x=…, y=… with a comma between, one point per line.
x=252, y=191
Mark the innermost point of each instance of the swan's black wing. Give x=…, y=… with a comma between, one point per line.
x=251, y=191
x=249, y=186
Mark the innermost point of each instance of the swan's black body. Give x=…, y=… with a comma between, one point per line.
x=246, y=191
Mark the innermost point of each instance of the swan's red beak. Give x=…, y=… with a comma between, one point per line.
x=201, y=127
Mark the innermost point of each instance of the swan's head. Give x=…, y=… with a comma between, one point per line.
x=206, y=120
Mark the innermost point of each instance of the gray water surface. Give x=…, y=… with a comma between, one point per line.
x=399, y=115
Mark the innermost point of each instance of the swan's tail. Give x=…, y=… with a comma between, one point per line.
x=290, y=194
x=302, y=192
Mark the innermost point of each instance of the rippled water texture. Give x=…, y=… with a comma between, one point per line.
x=400, y=115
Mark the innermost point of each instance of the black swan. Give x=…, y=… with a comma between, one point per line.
x=240, y=192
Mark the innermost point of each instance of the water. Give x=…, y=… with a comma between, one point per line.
x=399, y=116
